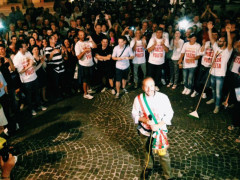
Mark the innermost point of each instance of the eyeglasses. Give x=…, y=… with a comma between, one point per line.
x=221, y=41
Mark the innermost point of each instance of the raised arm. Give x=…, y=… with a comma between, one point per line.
x=210, y=27
x=229, y=39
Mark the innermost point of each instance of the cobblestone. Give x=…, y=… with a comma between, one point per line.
x=97, y=139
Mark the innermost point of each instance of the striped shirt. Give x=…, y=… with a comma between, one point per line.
x=57, y=61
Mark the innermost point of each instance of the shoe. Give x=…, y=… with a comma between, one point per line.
x=117, y=96
x=216, y=110
x=34, y=113
x=79, y=90
x=170, y=84
x=188, y=91
x=6, y=131
x=17, y=126
x=125, y=91
x=185, y=90
x=103, y=90
x=211, y=101
x=163, y=82
x=156, y=88
x=21, y=107
x=204, y=95
x=174, y=86
x=88, y=96
x=43, y=108
x=90, y=91
x=135, y=85
x=194, y=94
x=113, y=91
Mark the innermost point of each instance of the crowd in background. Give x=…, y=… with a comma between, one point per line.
x=46, y=57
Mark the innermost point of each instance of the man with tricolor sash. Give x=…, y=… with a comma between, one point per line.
x=152, y=111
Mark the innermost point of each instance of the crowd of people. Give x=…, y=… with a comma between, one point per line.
x=46, y=57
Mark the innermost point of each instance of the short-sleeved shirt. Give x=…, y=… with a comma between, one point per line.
x=21, y=61
x=191, y=52
x=139, y=52
x=236, y=65
x=157, y=56
x=208, y=55
x=86, y=59
x=117, y=51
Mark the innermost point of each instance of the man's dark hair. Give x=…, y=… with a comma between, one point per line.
x=3, y=46
x=13, y=36
x=193, y=35
x=159, y=29
x=19, y=44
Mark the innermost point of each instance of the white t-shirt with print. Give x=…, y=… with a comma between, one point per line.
x=207, y=54
x=236, y=65
x=21, y=61
x=86, y=59
x=191, y=51
x=139, y=52
x=220, y=65
x=157, y=55
x=176, y=51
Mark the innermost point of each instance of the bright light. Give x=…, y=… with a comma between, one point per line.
x=1, y=25
x=183, y=24
x=71, y=1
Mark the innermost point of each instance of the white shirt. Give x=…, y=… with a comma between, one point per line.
x=165, y=36
x=236, y=65
x=139, y=52
x=191, y=51
x=207, y=55
x=86, y=59
x=220, y=64
x=21, y=61
x=176, y=51
x=159, y=105
x=117, y=51
x=157, y=55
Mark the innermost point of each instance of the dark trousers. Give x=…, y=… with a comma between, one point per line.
x=201, y=79
x=32, y=94
x=155, y=72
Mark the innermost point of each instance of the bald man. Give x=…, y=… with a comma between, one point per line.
x=162, y=110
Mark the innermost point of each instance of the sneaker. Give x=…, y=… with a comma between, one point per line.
x=156, y=88
x=103, y=90
x=43, y=108
x=34, y=113
x=216, y=110
x=174, y=86
x=163, y=82
x=21, y=107
x=17, y=126
x=194, y=94
x=90, y=91
x=204, y=95
x=188, y=91
x=113, y=91
x=211, y=101
x=170, y=84
x=6, y=131
x=117, y=96
x=125, y=91
x=185, y=90
x=87, y=96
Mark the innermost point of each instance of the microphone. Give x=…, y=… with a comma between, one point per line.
x=150, y=117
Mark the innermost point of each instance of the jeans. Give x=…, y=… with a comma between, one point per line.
x=201, y=79
x=135, y=70
x=217, y=85
x=188, y=77
x=174, y=71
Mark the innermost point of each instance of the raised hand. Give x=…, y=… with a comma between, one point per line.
x=210, y=25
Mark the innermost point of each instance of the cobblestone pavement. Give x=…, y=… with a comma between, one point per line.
x=97, y=139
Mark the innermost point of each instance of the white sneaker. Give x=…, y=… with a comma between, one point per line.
x=117, y=96
x=103, y=90
x=216, y=110
x=125, y=91
x=194, y=94
x=34, y=113
x=188, y=91
x=185, y=90
x=204, y=95
x=113, y=91
x=6, y=131
x=43, y=108
x=88, y=96
x=90, y=91
x=211, y=101
x=163, y=82
x=156, y=88
x=17, y=126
